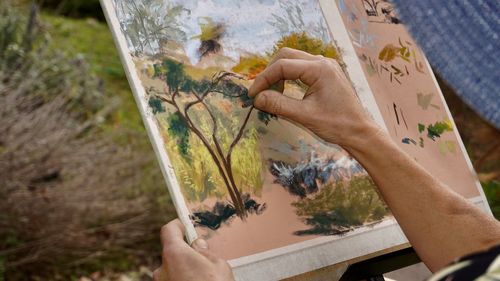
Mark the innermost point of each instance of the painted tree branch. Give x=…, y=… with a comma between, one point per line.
x=240, y=133
x=227, y=165
x=236, y=200
x=221, y=83
x=226, y=161
x=236, y=140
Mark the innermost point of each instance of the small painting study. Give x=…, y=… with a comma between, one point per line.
x=406, y=93
x=250, y=179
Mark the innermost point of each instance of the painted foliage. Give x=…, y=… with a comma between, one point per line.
x=242, y=170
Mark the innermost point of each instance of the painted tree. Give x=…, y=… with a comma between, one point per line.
x=147, y=24
x=182, y=122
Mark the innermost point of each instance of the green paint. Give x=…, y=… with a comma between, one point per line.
x=436, y=130
x=341, y=206
x=421, y=127
x=179, y=129
x=156, y=105
x=175, y=75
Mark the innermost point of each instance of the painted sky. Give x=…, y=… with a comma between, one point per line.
x=251, y=24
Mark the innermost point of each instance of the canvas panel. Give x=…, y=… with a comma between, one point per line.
x=409, y=99
x=189, y=64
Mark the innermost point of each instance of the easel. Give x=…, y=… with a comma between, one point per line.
x=374, y=268
x=369, y=268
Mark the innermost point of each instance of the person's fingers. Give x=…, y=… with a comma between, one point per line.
x=276, y=103
x=201, y=246
x=172, y=239
x=173, y=233
x=285, y=69
x=289, y=53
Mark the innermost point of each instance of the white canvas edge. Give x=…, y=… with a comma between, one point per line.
x=317, y=253
x=339, y=33
x=149, y=122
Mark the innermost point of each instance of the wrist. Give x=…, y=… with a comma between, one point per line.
x=363, y=136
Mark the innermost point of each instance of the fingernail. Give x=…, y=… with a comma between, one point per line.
x=200, y=244
x=250, y=92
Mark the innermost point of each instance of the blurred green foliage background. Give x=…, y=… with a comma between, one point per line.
x=75, y=8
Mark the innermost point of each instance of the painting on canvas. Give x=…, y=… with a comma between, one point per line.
x=252, y=181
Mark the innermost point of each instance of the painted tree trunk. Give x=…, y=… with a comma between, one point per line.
x=223, y=162
x=224, y=166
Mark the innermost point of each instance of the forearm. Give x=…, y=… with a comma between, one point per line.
x=440, y=224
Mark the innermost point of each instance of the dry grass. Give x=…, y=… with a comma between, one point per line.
x=72, y=195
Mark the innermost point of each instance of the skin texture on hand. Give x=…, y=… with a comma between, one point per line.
x=440, y=224
x=181, y=262
x=330, y=108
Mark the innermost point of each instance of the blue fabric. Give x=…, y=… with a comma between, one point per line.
x=461, y=39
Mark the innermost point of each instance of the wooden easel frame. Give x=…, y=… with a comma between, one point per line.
x=371, y=268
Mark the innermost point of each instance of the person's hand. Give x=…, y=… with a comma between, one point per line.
x=330, y=108
x=180, y=262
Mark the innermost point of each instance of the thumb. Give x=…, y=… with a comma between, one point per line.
x=201, y=246
x=160, y=275
x=276, y=103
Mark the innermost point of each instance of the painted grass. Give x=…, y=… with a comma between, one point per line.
x=341, y=206
x=198, y=175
